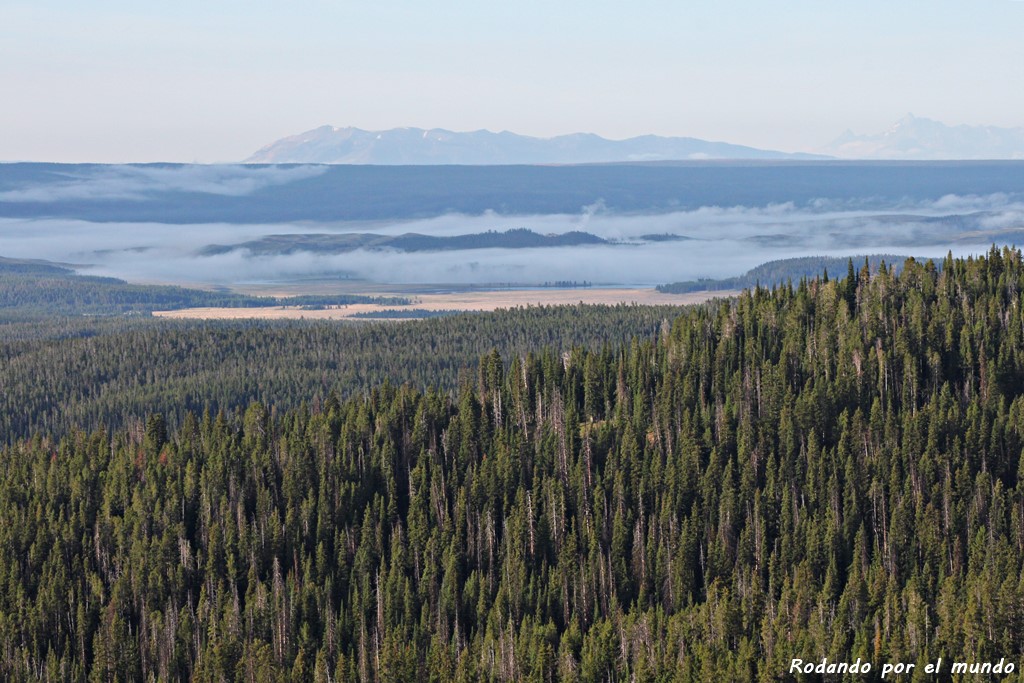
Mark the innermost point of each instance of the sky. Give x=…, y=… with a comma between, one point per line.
x=189, y=81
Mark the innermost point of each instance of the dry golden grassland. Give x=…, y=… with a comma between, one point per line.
x=462, y=301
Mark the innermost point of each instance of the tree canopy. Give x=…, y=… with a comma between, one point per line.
x=831, y=468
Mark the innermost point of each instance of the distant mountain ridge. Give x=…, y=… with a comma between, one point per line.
x=417, y=146
x=254, y=194
x=918, y=138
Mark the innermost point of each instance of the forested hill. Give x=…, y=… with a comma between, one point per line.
x=831, y=469
x=781, y=271
x=32, y=289
x=515, y=238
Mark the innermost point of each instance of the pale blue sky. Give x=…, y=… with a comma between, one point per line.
x=113, y=80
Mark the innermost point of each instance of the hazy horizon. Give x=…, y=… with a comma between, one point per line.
x=117, y=82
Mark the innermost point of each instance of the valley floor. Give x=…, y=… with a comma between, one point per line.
x=464, y=301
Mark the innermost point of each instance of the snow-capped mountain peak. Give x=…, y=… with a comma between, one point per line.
x=915, y=137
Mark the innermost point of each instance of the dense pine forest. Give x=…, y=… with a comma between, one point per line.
x=60, y=374
x=830, y=469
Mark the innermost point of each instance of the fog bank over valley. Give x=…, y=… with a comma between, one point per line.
x=596, y=245
x=600, y=224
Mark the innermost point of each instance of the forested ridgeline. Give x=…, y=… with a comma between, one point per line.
x=66, y=373
x=32, y=289
x=781, y=271
x=826, y=470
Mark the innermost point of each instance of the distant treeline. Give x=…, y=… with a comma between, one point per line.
x=517, y=238
x=33, y=289
x=403, y=314
x=568, y=284
x=774, y=273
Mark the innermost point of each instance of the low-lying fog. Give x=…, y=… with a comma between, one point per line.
x=719, y=242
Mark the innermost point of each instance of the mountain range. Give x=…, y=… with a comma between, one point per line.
x=417, y=146
x=910, y=138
